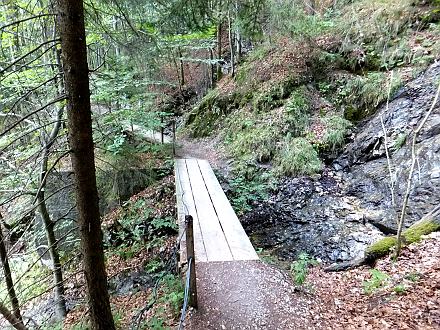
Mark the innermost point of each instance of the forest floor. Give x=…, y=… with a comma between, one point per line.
x=394, y=295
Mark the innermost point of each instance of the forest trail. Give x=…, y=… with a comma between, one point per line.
x=248, y=295
x=203, y=148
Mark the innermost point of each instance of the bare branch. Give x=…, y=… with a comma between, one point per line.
x=58, y=99
x=56, y=41
x=411, y=172
x=16, y=323
x=24, y=20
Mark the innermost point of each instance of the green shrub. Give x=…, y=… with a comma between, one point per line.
x=297, y=157
x=244, y=192
x=300, y=268
x=298, y=109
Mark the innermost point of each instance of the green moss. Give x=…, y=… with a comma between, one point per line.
x=381, y=247
x=257, y=142
x=205, y=117
x=276, y=95
x=415, y=232
x=411, y=235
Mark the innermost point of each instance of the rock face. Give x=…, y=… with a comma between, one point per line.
x=365, y=164
x=337, y=215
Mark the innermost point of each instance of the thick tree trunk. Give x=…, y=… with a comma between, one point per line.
x=8, y=278
x=74, y=55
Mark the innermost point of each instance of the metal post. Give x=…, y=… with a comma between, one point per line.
x=191, y=260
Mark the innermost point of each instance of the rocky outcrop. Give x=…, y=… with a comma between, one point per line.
x=364, y=162
x=337, y=215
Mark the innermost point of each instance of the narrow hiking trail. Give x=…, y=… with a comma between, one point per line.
x=249, y=295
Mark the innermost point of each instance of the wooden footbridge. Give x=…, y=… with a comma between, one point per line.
x=218, y=234
x=226, y=283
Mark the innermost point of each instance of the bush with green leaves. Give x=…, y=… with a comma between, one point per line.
x=137, y=224
x=243, y=192
x=336, y=128
x=300, y=267
x=298, y=112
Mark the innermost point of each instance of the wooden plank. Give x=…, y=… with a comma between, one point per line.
x=188, y=207
x=216, y=245
x=238, y=241
x=180, y=215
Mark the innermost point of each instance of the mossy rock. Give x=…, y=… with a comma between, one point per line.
x=276, y=96
x=380, y=248
x=415, y=232
x=203, y=120
x=411, y=235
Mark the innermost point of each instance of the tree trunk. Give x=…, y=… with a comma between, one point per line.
x=49, y=225
x=212, y=74
x=219, y=51
x=181, y=68
x=74, y=55
x=8, y=278
x=231, y=44
x=237, y=36
x=16, y=323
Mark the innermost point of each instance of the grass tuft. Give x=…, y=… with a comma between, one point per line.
x=297, y=157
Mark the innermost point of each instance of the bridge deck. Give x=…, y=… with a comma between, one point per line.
x=218, y=234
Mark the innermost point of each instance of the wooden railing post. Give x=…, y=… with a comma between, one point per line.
x=162, y=129
x=174, y=137
x=191, y=261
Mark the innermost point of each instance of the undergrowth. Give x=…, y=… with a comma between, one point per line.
x=300, y=267
x=291, y=120
x=298, y=156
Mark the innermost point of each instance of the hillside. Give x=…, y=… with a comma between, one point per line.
x=306, y=134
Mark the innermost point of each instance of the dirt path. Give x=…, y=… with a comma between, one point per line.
x=249, y=295
x=205, y=148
